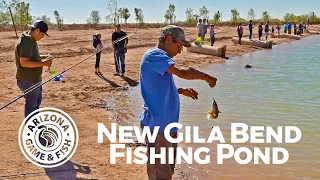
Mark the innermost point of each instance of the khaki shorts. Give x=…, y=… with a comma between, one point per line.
x=159, y=171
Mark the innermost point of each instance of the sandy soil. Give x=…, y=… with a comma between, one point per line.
x=83, y=97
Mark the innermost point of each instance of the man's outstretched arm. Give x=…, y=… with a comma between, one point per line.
x=192, y=74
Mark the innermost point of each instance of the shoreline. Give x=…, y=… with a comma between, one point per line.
x=84, y=95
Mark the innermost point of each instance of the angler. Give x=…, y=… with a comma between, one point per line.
x=30, y=65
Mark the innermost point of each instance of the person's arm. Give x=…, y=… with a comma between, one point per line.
x=25, y=62
x=112, y=40
x=126, y=40
x=192, y=74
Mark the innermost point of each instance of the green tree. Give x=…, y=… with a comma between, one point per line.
x=59, y=19
x=190, y=16
x=234, y=15
x=125, y=14
x=251, y=14
x=94, y=17
x=265, y=16
x=169, y=16
x=139, y=15
x=204, y=12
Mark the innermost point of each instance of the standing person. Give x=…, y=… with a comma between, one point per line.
x=120, y=48
x=30, y=65
x=161, y=96
x=260, y=30
x=98, y=47
x=266, y=30
x=250, y=29
x=285, y=27
x=200, y=28
x=212, y=35
x=205, y=28
x=295, y=29
x=289, y=27
x=278, y=29
x=240, y=32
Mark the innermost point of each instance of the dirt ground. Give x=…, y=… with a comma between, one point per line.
x=83, y=97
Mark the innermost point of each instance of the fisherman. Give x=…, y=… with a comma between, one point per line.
x=120, y=48
x=30, y=65
x=160, y=95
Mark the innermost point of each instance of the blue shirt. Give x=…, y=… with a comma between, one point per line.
x=158, y=90
x=285, y=27
x=289, y=26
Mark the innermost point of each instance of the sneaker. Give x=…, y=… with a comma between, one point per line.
x=116, y=74
x=122, y=74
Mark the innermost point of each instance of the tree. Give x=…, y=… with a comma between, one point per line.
x=169, y=16
x=59, y=19
x=4, y=14
x=125, y=14
x=216, y=17
x=265, y=16
x=113, y=17
x=94, y=17
x=204, y=12
x=251, y=14
x=234, y=15
x=139, y=15
x=190, y=16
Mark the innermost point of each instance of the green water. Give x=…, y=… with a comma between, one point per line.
x=282, y=89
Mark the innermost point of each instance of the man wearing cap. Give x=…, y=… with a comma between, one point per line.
x=120, y=48
x=161, y=96
x=29, y=64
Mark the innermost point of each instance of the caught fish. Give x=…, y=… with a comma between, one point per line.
x=213, y=114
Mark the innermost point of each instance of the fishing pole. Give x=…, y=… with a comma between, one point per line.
x=13, y=22
x=42, y=83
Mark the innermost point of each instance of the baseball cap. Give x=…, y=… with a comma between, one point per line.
x=175, y=32
x=39, y=24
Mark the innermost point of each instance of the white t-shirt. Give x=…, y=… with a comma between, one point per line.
x=200, y=28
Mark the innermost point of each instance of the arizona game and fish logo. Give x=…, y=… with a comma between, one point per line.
x=48, y=137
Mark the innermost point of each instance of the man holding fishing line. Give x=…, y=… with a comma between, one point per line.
x=29, y=64
x=160, y=95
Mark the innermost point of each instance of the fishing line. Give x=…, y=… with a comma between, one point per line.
x=42, y=83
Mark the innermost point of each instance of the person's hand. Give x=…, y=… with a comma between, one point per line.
x=47, y=63
x=211, y=81
x=49, y=57
x=189, y=92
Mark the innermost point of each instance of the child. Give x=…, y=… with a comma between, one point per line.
x=212, y=34
x=98, y=47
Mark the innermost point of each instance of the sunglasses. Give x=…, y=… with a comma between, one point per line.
x=179, y=46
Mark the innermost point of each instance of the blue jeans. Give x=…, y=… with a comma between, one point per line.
x=33, y=98
x=119, y=57
x=250, y=35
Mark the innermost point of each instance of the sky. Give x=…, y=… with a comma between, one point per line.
x=77, y=11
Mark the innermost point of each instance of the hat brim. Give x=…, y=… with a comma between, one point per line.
x=185, y=43
x=30, y=25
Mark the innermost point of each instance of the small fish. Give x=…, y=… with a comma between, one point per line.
x=213, y=114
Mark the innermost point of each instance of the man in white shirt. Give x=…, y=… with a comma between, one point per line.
x=200, y=28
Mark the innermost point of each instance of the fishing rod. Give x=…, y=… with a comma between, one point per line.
x=13, y=22
x=42, y=83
